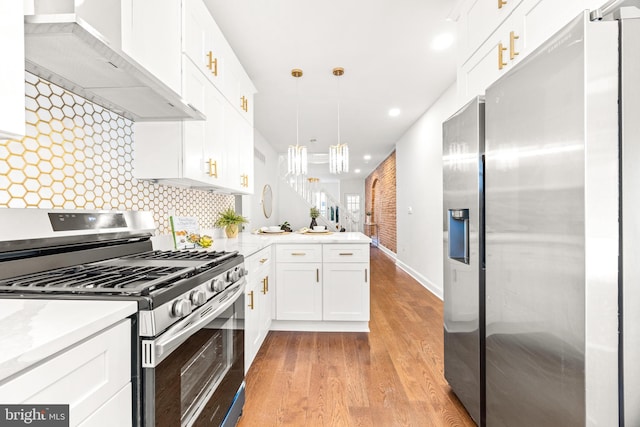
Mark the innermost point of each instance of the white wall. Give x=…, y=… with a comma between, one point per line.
x=419, y=187
x=265, y=173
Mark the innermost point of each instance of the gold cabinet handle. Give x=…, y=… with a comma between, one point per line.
x=244, y=180
x=365, y=275
x=244, y=103
x=251, y=298
x=512, y=45
x=298, y=253
x=318, y=275
x=213, y=168
x=501, y=3
x=345, y=253
x=501, y=63
x=264, y=285
x=212, y=63
x=267, y=278
x=263, y=260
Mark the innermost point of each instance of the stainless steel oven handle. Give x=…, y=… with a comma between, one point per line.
x=178, y=334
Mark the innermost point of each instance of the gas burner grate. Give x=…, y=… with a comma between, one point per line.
x=88, y=277
x=193, y=255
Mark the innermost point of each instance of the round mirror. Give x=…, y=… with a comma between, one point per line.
x=267, y=201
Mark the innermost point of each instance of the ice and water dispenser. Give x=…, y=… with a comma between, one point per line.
x=459, y=235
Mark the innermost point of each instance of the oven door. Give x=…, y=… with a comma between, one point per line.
x=193, y=372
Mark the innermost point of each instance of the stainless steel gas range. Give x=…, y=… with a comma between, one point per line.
x=188, y=369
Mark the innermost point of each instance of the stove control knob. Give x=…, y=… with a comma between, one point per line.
x=230, y=276
x=235, y=275
x=198, y=298
x=217, y=285
x=243, y=272
x=181, y=308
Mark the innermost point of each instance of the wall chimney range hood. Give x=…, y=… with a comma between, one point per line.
x=62, y=47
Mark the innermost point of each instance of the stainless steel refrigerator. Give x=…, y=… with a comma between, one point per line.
x=562, y=193
x=463, y=147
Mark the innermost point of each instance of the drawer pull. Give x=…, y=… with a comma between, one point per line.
x=501, y=63
x=267, y=280
x=318, y=275
x=251, y=298
x=512, y=45
x=263, y=260
x=298, y=253
x=346, y=253
x=501, y=3
x=365, y=275
x=265, y=285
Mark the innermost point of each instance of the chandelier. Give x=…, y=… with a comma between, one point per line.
x=339, y=153
x=297, y=154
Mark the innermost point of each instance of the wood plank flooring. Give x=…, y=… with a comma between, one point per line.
x=392, y=376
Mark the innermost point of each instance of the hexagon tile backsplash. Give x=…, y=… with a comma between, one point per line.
x=79, y=155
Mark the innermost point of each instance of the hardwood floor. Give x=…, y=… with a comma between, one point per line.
x=392, y=376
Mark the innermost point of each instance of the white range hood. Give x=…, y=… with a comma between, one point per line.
x=62, y=47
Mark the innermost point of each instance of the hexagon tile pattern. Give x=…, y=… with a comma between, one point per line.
x=79, y=155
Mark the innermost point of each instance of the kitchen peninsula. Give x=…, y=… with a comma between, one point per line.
x=300, y=282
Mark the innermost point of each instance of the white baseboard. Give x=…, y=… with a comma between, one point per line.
x=318, y=326
x=429, y=285
x=387, y=252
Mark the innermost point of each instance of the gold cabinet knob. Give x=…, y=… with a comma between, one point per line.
x=501, y=3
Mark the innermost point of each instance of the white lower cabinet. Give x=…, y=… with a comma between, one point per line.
x=92, y=377
x=322, y=282
x=345, y=291
x=299, y=291
x=258, y=297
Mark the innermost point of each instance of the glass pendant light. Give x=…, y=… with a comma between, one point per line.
x=339, y=153
x=297, y=154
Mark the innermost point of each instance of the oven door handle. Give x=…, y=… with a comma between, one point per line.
x=178, y=334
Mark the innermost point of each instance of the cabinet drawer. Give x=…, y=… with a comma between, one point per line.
x=84, y=377
x=299, y=253
x=345, y=253
x=259, y=260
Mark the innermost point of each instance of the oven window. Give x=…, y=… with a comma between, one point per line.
x=204, y=369
x=195, y=385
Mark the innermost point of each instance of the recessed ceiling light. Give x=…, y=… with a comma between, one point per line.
x=442, y=41
x=357, y=171
x=394, y=112
x=367, y=157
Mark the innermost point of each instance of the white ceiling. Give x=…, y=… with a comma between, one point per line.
x=384, y=47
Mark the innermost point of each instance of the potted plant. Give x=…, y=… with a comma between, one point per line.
x=313, y=213
x=368, y=214
x=285, y=226
x=229, y=220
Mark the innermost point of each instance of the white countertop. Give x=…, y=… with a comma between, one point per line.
x=248, y=243
x=32, y=330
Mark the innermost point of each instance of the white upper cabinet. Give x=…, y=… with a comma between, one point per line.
x=151, y=35
x=216, y=153
x=207, y=47
x=204, y=43
x=494, y=36
x=12, y=115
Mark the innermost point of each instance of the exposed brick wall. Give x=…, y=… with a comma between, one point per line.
x=380, y=199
